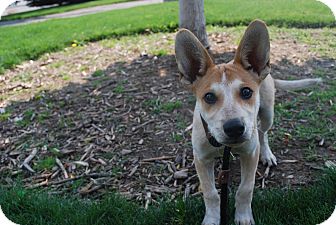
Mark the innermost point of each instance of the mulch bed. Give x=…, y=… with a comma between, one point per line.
x=127, y=128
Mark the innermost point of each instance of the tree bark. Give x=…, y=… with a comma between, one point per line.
x=191, y=17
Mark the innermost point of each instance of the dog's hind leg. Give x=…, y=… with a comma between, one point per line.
x=205, y=171
x=266, y=120
x=266, y=114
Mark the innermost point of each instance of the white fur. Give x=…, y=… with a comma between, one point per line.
x=295, y=84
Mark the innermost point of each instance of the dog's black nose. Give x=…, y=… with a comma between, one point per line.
x=234, y=128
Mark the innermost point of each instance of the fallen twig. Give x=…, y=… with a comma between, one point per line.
x=124, y=114
x=98, y=128
x=288, y=161
x=59, y=163
x=157, y=158
x=188, y=128
x=87, y=151
x=28, y=159
x=141, y=125
x=43, y=183
x=46, y=175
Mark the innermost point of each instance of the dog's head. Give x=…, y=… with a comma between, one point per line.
x=227, y=94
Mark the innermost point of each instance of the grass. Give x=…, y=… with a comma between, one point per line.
x=306, y=206
x=157, y=106
x=26, y=119
x=47, y=163
x=60, y=9
x=98, y=73
x=30, y=41
x=171, y=106
x=314, y=119
x=119, y=89
x=5, y=116
x=177, y=137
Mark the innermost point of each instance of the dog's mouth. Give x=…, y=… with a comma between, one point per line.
x=229, y=141
x=234, y=142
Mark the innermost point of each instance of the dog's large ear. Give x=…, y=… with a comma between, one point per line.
x=192, y=58
x=254, y=49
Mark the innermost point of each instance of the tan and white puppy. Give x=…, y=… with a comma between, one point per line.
x=230, y=97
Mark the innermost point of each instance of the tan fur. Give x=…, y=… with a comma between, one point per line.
x=232, y=72
x=236, y=71
x=250, y=68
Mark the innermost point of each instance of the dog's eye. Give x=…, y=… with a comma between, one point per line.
x=246, y=93
x=210, y=98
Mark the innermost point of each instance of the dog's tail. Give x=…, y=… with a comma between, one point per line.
x=295, y=84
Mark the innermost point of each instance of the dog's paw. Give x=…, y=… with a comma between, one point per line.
x=267, y=158
x=245, y=218
x=211, y=220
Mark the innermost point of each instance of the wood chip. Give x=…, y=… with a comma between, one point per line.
x=126, y=151
x=98, y=128
x=321, y=142
x=188, y=128
x=168, y=179
x=87, y=151
x=184, y=158
x=133, y=170
x=170, y=169
x=142, y=125
x=101, y=161
x=85, y=189
x=264, y=177
x=182, y=174
x=45, y=175
x=186, y=192
x=81, y=163
x=289, y=161
x=148, y=199
x=95, y=188
x=59, y=163
x=267, y=171
x=43, y=183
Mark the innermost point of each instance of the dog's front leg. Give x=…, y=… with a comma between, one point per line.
x=205, y=171
x=249, y=162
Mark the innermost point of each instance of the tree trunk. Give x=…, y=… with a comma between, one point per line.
x=191, y=17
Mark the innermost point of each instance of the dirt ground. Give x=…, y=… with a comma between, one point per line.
x=112, y=115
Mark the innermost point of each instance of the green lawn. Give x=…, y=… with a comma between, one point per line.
x=306, y=206
x=60, y=9
x=27, y=42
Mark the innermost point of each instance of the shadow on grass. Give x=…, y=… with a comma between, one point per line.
x=105, y=113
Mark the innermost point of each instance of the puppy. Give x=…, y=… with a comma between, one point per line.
x=230, y=97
